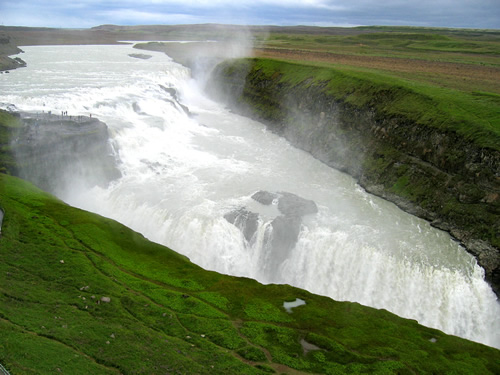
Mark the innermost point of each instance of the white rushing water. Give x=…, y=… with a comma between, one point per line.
x=181, y=174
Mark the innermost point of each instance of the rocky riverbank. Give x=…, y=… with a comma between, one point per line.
x=433, y=173
x=6, y=50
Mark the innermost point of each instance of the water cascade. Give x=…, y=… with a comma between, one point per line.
x=190, y=170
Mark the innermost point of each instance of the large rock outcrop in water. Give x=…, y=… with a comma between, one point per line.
x=437, y=174
x=55, y=151
x=281, y=233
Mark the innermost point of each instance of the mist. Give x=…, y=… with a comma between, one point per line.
x=202, y=56
x=235, y=198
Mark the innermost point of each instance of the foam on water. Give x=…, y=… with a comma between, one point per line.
x=181, y=174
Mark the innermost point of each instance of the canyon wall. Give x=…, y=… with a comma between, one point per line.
x=436, y=174
x=57, y=152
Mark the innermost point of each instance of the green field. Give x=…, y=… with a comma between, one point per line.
x=464, y=60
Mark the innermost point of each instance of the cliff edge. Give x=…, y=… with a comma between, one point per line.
x=53, y=151
x=402, y=143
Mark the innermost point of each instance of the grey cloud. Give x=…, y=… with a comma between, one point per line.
x=85, y=13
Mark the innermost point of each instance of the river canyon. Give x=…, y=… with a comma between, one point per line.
x=187, y=163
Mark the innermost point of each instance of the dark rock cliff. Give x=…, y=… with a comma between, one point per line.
x=54, y=151
x=435, y=174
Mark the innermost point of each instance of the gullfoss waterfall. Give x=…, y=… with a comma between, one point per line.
x=190, y=173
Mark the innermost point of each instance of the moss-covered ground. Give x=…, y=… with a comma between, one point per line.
x=167, y=315
x=82, y=294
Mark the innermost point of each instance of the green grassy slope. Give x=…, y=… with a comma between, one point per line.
x=476, y=116
x=167, y=315
x=82, y=294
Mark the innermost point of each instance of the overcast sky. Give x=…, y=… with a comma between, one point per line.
x=89, y=13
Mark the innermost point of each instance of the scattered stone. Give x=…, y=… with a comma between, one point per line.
x=107, y=342
x=105, y=299
x=112, y=336
x=61, y=261
x=84, y=287
x=286, y=231
x=289, y=204
x=202, y=335
x=433, y=340
x=174, y=95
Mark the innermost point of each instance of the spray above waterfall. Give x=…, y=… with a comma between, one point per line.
x=189, y=178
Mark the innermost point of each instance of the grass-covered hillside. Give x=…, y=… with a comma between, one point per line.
x=82, y=294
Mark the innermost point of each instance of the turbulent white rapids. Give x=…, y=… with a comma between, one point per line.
x=181, y=174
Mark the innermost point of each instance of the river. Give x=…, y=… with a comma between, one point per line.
x=182, y=172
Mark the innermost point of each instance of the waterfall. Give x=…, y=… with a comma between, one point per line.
x=187, y=163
